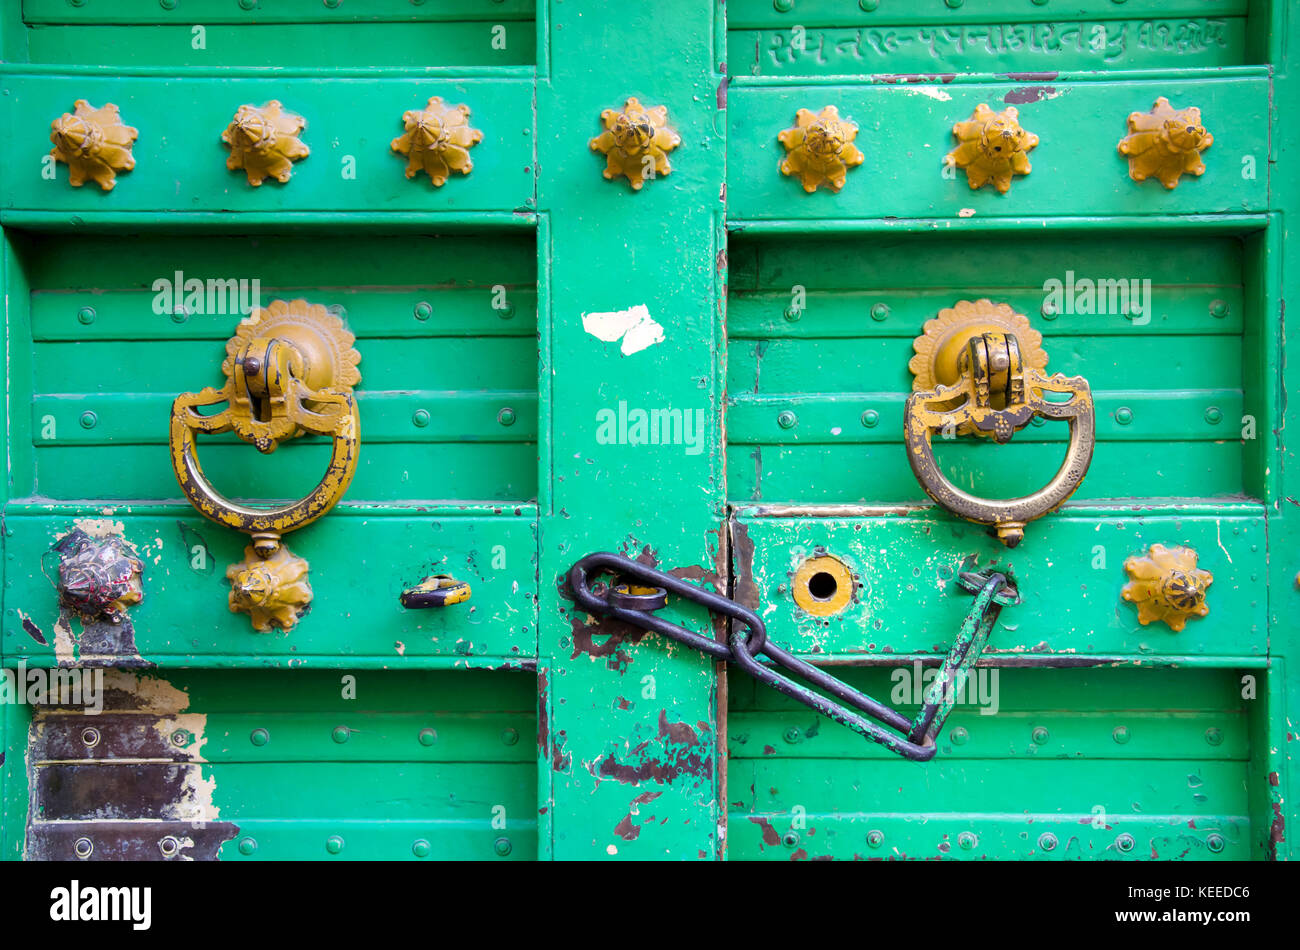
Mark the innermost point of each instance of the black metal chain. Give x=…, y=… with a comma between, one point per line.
x=642, y=590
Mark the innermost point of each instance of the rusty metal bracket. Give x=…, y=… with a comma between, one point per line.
x=913, y=739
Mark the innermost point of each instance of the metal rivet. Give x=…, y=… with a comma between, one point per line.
x=83, y=848
x=1214, y=735
x=247, y=846
x=787, y=419
x=421, y=849
x=506, y=417
x=502, y=846
x=167, y=4
x=953, y=4
x=967, y=841
x=89, y=420
x=506, y=312
x=1048, y=310
x=259, y=737
x=420, y=417
x=334, y=844
x=168, y=846
x=790, y=839
x=428, y=737
x=90, y=736
x=1124, y=843
x=180, y=737
x=793, y=735
x=959, y=736
x=868, y=5
x=793, y=313
x=341, y=734
x=783, y=6
x=879, y=311
x=248, y=4
x=1219, y=308
x=1040, y=3
x=86, y=315
x=77, y=3
x=1213, y=415
x=1120, y=734
x=180, y=315
x=875, y=839
x=870, y=418
x=1214, y=843
x=1123, y=415
x=1040, y=735
x=423, y=311
x=332, y=4
x=1047, y=841
x=510, y=736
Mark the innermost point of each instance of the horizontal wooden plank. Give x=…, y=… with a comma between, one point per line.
x=398, y=365
x=1070, y=570
x=999, y=734
x=350, y=124
x=843, y=418
x=359, y=566
x=906, y=130
x=119, y=791
x=904, y=834
x=880, y=364
x=749, y=14
x=990, y=46
x=387, y=473
x=371, y=736
x=416, y=416
x=876, y=473
x=1011, y=256
x=326, y=260
x=504, y=42
x=76, y=315
x=1173, y=309
x=389, y=839
x=273, y=11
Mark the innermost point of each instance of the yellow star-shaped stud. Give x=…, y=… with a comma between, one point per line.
x=437, y=141
x=992, y=147
x=819, y=149
x=636, y=142
x=1165, y=143
x=1167, y=585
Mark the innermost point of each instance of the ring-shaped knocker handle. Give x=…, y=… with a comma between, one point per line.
x=265, y=525
x=934, y=411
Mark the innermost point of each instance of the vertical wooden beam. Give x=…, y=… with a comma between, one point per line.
x=631, y=733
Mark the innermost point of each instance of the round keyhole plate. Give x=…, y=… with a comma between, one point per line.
x=823, y=585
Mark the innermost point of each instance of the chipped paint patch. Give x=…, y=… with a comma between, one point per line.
x=138, y=791
x=966, y=213
x=1026, y=94
x=98, y=528
x=934, y=92
x=634, y=327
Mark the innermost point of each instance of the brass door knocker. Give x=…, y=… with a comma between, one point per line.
x=289, y=371
x=978, y=370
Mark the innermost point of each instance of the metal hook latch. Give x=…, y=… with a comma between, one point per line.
x=644, y=590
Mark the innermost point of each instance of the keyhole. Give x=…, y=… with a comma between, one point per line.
x=822, y=586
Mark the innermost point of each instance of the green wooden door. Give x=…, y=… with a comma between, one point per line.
x=707, y=374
